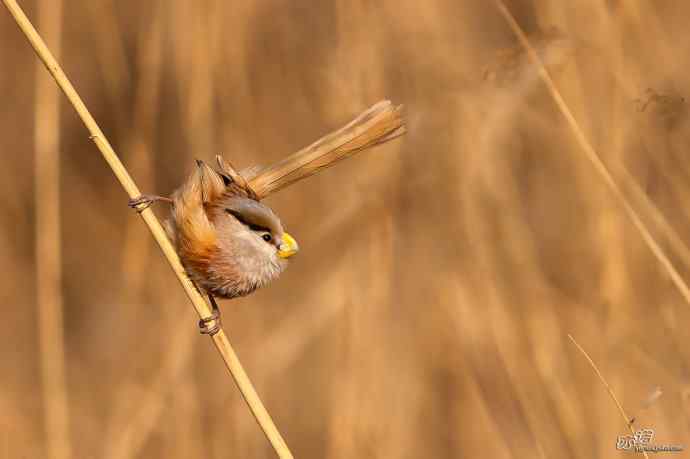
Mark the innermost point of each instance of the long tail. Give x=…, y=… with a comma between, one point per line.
x=379, y=124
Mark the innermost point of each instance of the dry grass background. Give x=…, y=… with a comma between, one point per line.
x=428, y=313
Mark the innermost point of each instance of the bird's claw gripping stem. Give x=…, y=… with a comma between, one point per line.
x=144, y=201
x=214, y=318
x=204, y=328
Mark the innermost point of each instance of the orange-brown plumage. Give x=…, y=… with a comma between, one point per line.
x=229, y=243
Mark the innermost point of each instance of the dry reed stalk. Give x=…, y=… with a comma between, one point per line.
x=194, y=61
x=538, y=390
x=626, y=419
x=187, y=402
x=484, y=350
x=519, y=329
x=611, y=222
x=47, y=245
x=657, y=215
x=129, y=433
x=594, y=158
x=202, y=308
x=379, y=124
x=284, y=346
x=137, y=247
x=111, y=53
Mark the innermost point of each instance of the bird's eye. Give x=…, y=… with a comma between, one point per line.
x=266, y=237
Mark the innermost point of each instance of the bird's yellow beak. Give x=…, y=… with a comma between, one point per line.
x=288, y=246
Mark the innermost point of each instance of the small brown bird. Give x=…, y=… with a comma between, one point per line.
x=229, y=243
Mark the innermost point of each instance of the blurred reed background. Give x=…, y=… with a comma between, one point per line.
x=427, y=314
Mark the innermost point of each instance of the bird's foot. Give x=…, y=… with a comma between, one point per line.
x=204, y=324
x=213, y=319
x=144, y=201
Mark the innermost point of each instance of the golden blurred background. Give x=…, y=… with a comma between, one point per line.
x=428, y=312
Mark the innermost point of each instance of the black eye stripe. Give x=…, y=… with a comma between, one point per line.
x=242, y=220
x=236, y=214
x=258, y=228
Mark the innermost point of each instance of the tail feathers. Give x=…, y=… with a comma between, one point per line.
x=379, y=124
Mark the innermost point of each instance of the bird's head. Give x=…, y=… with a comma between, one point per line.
x=229, y=243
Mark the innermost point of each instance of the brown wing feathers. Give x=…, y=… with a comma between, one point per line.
x=195, y=235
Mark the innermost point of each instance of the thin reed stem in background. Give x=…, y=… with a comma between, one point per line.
x=674, y=239
x=47, y=245
x=130, y=429
x=108, y=38
x=202, y=308
x=593, y=156
x=137, y=248
x=626, y=419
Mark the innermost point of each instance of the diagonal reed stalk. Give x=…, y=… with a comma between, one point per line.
x=47, y=248
x=129, y=433
x=625, y=417
x=594, y=158
x=379, y=124
x=202, y=308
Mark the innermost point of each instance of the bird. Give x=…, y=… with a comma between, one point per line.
x=229, y=242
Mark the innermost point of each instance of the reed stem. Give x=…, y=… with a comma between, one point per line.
x=594, y=157
x=379, y=124
x=47, y=246
x=606, y=385
x=203, y=310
